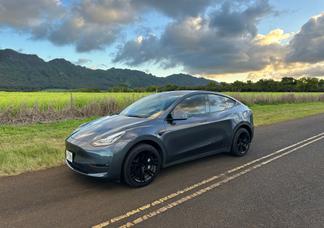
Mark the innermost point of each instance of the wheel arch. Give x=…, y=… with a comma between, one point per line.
x=150, y=141
x=247, y=126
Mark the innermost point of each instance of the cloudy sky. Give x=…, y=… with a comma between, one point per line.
x=222, y=40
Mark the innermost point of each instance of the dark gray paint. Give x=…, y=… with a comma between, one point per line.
x=177, y=140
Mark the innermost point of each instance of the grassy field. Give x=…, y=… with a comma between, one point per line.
x=37, y=146
x=33, y=107
x=59, y=100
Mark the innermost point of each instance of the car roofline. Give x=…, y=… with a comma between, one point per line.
x=191, y=93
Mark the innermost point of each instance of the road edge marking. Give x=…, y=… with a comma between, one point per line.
x=211, y=187
x=194, y=186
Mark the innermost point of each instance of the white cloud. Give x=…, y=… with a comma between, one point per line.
x=276, y=36
x=205, y=45
x=308, y=44
x=23, y=15
x=208, y=37
x=178, y=8
x=89, y=25
x=82, y=61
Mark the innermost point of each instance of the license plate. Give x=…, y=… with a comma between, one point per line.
x=69, y=156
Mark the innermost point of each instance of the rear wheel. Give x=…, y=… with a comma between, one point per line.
x=141, y=166
x=241, y=142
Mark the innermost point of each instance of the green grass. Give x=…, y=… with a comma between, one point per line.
x=38, y=146
x=58, y=100
x=269, y=114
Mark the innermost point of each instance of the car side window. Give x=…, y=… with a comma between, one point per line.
x=193, y=106
x=219, y=103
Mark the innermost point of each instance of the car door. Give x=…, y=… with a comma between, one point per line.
x=187, y=137
x=220, y=121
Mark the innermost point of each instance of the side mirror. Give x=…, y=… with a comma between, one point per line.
x=178, y=115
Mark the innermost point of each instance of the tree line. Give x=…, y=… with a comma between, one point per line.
x=286, y=84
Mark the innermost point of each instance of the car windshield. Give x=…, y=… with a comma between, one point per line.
x=150, y=106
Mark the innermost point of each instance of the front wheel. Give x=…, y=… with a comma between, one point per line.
x=141, y=166
x=241, y=142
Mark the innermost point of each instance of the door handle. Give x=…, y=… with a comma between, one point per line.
x=162, y=132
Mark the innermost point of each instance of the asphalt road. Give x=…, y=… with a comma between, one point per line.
x=280, y=183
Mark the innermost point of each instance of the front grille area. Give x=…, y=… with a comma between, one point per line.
x=73, y=148
x=85, y=162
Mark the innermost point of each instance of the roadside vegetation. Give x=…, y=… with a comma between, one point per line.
x=34, y=146
x=37, y=146
x=33, y=107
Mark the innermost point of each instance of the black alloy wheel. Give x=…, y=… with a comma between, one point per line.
x=241, y=142
x=141, y=166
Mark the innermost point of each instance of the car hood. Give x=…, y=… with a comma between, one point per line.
x=105, y=126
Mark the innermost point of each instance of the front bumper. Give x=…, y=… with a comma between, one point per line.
x=89, y=161
x=77, y=170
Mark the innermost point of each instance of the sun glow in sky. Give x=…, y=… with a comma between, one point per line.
x=225, y=40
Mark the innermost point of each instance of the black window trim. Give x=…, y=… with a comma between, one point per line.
x=220, y=95
x=192, y=95
x=207, y=99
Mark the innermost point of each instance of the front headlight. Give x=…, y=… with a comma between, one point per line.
x=108, y=140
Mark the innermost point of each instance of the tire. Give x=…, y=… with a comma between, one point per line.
x=141, y=166
x=241, y=142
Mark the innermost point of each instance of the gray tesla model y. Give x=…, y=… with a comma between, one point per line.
x=157, y=131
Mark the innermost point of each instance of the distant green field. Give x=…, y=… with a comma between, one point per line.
x=33, y=107
x=59, y=100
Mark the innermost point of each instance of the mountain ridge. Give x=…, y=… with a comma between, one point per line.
x=20, y=71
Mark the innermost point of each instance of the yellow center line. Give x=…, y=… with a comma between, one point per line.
x=210, y=187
